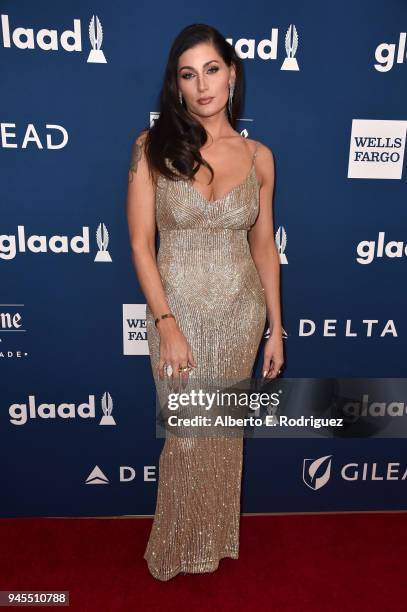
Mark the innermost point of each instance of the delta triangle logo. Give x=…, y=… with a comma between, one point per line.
x=97, y=477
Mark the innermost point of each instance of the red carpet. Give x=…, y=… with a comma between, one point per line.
x=301, y=563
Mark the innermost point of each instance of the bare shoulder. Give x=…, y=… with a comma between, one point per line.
x=262, y=150
x=138, y=143
x=264, y=162
x=137, y=153
x=140, y=138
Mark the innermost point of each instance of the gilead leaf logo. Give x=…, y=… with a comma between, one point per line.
x=316, y=472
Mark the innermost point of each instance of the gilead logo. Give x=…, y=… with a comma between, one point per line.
x=11, y=244
x=55, y=138
x=49, y=40
x=316, y=473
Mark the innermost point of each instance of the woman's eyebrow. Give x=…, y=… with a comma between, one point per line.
x=192, y=68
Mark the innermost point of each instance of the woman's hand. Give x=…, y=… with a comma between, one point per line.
x=273, y=355
x=174, y=351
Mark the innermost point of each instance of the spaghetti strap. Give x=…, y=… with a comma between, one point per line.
x=255, y=151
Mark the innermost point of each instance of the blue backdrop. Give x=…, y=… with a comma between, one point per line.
x=326, y=91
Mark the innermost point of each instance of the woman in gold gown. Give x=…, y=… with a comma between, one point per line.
x=216, y=275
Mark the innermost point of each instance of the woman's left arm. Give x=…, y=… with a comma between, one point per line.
x=266, y=258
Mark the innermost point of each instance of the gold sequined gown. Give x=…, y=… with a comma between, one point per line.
x=213, y=289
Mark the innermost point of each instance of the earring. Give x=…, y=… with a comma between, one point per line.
x=180, y=96
x=231, y=90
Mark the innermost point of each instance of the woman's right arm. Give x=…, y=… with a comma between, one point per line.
x=140, y=210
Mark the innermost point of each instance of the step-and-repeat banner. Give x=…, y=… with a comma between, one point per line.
x=326, y=91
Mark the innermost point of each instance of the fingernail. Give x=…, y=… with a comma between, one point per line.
x=264, y=373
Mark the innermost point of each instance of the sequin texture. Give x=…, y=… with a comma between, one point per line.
x=214, y=291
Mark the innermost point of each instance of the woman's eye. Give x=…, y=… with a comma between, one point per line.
x=186, y=75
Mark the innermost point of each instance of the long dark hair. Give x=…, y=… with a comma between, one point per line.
x=175, y=134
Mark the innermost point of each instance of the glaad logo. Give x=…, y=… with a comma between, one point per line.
x=21, y=413
x=307, y=327
x=107, y=407
x=357, y=409
x=47, y=40
x=316, y=472
x=281, y=242
x=377, y=149
x=291, y=45
x=102, y=239
x=385, y=52
x=10, y=245
x=367, y=250
x=267, y=47
x=96, y=55
x=126, y=474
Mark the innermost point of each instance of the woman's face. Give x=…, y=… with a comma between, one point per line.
x=202, y=73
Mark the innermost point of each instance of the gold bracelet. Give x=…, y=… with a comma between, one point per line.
x=164, y=316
